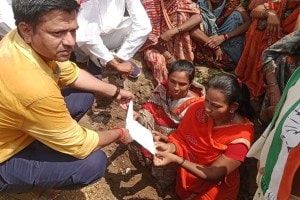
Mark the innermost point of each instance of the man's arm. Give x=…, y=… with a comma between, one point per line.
x=88, y=82
x=141, y=27
x=49, y=121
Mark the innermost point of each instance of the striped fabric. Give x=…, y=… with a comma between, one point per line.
x=278, y=148
x=164, y=15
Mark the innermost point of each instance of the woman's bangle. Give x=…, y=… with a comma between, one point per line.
x=179, y=28
x=181, y=163
x=225, y=36
x=122, y=135
x=116, y=93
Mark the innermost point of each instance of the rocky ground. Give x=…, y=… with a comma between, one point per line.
x=125, y=179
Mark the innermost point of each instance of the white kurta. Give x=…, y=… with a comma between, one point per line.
x=103, y=28
x=7, y=21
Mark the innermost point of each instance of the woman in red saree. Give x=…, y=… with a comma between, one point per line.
x=271, y=21
x=164, y=15
x=211, y=142
x=163, y=112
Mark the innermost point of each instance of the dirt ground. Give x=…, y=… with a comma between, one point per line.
x=125, y=179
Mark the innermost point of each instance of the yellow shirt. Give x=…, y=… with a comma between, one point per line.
x=31, y=104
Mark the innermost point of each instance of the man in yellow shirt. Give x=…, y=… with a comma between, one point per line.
x=41, y=145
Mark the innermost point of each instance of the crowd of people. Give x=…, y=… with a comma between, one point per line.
x=200, y=140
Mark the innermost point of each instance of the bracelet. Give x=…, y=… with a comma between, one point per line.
x=179, y=28
x=181, y=163
x=122, y=135
x=225, y=36
x=116, y=93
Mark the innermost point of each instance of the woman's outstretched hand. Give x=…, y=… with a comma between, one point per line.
x=158, y=136
x=163, y=158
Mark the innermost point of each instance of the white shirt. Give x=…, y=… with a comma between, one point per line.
x=101, y=17
x=7, y=21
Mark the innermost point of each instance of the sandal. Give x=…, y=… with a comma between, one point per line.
x=136, y=71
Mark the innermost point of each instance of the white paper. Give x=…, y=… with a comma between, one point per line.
x=138, y=132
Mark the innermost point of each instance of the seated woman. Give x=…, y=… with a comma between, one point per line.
x=163, y=112
x=211, y=142
x=279, y=62
x=271, y=21
x=220, y=35
x=164, y=15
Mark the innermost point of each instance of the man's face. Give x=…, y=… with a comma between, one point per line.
x=54, y=37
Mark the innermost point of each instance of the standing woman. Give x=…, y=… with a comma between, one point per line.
x=271, y=21
x=211, y=142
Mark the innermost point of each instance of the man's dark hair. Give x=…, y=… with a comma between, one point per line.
x=31, y=11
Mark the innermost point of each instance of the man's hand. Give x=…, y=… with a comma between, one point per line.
x=127, y=137
x=124, y=98
x=123, y=67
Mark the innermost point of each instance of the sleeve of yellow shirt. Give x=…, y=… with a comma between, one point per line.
x=69, y=72
x=49, y=121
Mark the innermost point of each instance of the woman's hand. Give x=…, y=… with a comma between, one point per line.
x=215, y=41
x=164, y=158
x=162, y=146
x=273, y=24
x=218, y=54
x=136, y=115
x=273, y=94
x=158, y=136
x=167, y=36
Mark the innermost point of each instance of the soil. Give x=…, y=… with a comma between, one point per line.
x=125, y=179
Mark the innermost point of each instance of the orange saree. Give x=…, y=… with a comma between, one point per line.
x=198, y=141
x=249, y=67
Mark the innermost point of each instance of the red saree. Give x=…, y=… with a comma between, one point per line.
x=198, y=141
x=249, y=67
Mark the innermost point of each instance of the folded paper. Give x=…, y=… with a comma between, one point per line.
x=139, y=133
